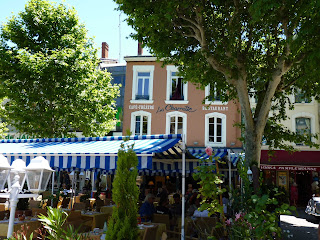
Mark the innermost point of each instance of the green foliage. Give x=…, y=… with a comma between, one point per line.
x=125, y=193
x=210, y=182
x=258, y=49
x=49, y=75
x=54, y=225
x=258, y=214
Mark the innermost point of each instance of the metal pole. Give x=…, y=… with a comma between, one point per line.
x=13, y=204
x=229, y=164
x=52, y=183
x=183, y=185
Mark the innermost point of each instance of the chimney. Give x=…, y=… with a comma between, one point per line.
x=140, y=49
x=104, y=50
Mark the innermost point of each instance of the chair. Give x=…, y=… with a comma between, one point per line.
x=38, y=211
x=34, y=204
x=206, y=226
x=79, y=206
x=65, y=202
x=150, y=233
x=3, y=213
x=162, y=218
x=2, y=207
x=78, y=222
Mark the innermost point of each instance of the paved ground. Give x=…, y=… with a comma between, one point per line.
x=301, y=226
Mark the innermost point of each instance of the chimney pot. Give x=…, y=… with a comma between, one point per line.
x=105, y=50
x=140, y=49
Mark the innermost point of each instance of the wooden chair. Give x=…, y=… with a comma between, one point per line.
x=65, y=202
x=2, y=207
x=150, y=233
x=162, y=218
x=206, y=226
x=79, y=206
x=38, y=211
x=34, y=204
x=3, y=213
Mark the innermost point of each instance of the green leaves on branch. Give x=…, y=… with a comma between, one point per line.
x=49, y=75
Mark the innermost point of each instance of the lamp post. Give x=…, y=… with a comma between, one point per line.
x=37, y=175
x=249, y=173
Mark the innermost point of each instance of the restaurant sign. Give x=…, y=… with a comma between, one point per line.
x=289, y=168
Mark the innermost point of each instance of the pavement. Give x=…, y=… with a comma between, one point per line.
x=301, y=226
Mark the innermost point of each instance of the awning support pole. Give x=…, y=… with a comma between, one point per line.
x=183, y=185
x=229, y=164
x=52, y=183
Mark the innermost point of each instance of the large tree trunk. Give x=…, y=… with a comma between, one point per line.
x=253, y=154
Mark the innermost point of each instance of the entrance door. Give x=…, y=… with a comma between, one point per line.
x=304, y=187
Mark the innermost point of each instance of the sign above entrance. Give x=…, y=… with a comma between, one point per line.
x=289, y=168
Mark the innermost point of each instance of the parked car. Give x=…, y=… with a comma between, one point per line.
x=313, y=207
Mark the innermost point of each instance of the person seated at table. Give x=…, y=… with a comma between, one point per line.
x=163, y=207
x=176, y=208
x=197, y=212
x=147, y=209
x=99, y=202
x=192, y=204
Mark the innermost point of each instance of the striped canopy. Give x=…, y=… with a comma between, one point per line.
x=98, y=153
x=200, y=153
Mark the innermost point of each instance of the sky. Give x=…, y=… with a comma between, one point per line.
x=101, y=20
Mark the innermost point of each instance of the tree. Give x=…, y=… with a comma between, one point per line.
x=246, y=48
x=48, y=73
x=125, y=193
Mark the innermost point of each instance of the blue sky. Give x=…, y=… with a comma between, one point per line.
x=100, y=19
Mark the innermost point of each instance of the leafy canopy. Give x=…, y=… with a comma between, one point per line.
x=49, y=75
x=246, y=48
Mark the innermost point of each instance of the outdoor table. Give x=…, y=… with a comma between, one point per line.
x=98, y=218
x=33, y=224
x=161, y=229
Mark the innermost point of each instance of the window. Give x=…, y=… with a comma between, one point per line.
x=176, y=123
x=142, y=85
x=300, y=98
x=303, y=127
x=215, y=129
x=177, y=90
x=303, y=123
x=141, y=123
x=212, y=95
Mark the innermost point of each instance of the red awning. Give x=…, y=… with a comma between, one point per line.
x=282, y=160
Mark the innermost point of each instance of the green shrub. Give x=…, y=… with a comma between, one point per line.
x=125, y=193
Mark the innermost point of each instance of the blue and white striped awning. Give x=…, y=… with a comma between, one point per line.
x=200, y=153
x=99, y=153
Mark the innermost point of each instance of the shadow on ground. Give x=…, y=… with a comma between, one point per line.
x=300, y=226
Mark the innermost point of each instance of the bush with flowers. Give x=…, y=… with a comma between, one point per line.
x=256, y=214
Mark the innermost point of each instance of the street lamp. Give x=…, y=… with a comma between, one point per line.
x=4, y=171
x=38, y=174
x=249, y=173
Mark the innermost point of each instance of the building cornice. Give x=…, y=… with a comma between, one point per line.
x=140, y=59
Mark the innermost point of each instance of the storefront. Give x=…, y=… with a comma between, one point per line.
x=297, y=173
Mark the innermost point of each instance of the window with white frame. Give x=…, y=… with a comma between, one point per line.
x=299, y=97
x=141, y=123
x=176, y=123
x=215, y=129
x=212, y=95
x=142, y=86
x=177, y=90
x=304, y=123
